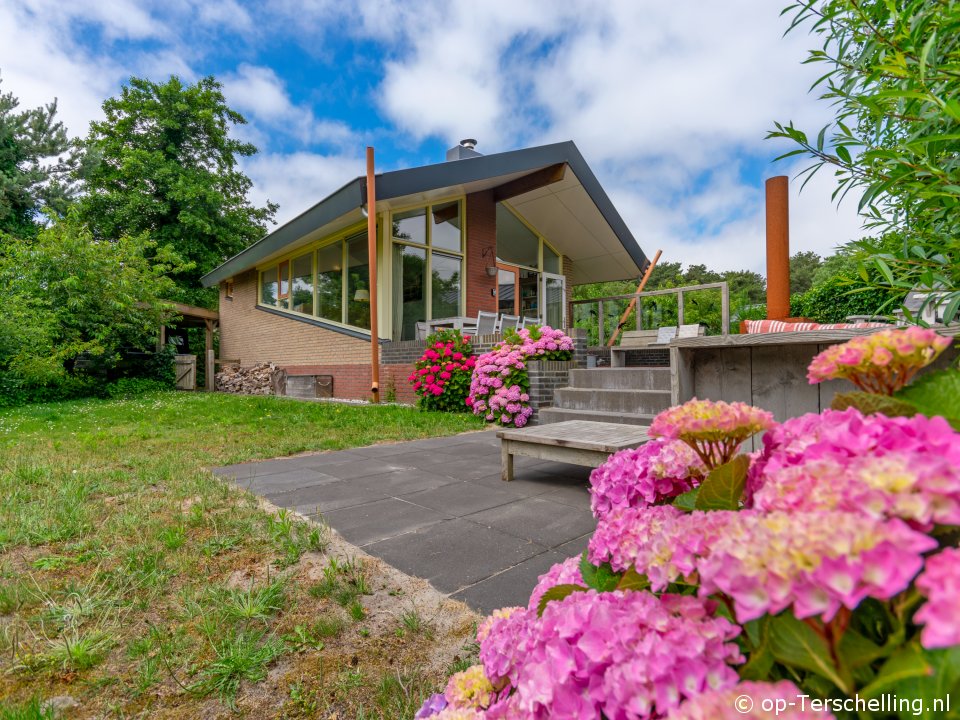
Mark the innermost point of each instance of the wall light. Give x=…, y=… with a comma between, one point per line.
x=488, y=252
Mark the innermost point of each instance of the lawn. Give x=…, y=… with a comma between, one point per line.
x=133, y=583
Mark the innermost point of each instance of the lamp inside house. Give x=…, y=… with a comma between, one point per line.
x=362, y=295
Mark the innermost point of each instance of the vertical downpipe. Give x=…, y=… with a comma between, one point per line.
x=778, y=249
x=372, y=256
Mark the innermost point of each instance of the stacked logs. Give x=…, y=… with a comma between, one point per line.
x=259, y=379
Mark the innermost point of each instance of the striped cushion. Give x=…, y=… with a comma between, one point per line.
x=774, y=326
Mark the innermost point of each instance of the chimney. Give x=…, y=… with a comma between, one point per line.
x=778, y=249
x=464, y=150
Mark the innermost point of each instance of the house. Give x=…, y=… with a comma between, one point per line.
x=509, y=232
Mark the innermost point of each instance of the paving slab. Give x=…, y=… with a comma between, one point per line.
x=544, y=521
x=324, y=498
x=463, y=498
x=404, y=482
x=437, y=509
x=510, y=587
x=382, y=519
x=454, y=554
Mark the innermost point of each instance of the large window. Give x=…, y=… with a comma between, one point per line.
x=526, y=262
x=331, y=283
x=427, y=259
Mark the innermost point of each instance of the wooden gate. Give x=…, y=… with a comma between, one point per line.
x=186, y=371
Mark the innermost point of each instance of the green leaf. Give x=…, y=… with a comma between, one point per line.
x=854, y=650
x=688, y=501
x=724, y=486
x=632, y=580
x=795, y=644
x=761, y=659
x=872, y=403
x=601, y=578
x=557, y=592
x=926, y=677
x=936, y=393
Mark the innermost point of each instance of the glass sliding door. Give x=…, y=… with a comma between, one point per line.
x=554, y=300
x=507, y=290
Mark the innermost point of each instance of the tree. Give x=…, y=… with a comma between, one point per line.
x=892, y=71
x=166, y=165
x=68, y=295
x=803, y=266
x=35, y=165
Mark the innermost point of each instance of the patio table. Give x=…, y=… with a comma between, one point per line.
x=456, y=323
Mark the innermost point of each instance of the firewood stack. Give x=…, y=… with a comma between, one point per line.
x=259, y=379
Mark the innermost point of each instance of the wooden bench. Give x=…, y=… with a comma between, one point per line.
x=578, y=442
x=643, y=339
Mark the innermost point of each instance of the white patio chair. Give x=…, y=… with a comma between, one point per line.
x=422, y=330
x=530, y=322
x=486, y=323
x=508, y=322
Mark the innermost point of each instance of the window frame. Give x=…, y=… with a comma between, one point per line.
x=429, y=249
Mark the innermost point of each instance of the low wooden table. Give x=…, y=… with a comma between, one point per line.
x=578, y=442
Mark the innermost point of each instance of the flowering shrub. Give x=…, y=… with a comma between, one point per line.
x=881, y=362
x=826, y=557
x=500, y=387
x=441, y=377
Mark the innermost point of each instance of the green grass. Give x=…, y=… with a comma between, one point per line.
x=120, y=553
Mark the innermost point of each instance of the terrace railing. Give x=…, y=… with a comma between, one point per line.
x=654, y=309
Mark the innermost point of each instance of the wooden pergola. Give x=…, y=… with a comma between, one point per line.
x=192, y=316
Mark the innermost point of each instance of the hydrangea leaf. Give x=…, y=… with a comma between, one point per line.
x=937, y=393
x=687, y=501
x=872, y=403
x=632, y=580
x=557, y=592
x=761, y=659
x=601, y=578
x=919, y=674
x=724, y=486
x=795, y=644
x=855, y=650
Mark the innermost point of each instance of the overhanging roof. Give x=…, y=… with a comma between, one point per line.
x=574, y=214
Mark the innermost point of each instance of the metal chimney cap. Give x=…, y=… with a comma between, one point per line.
x=468, y=143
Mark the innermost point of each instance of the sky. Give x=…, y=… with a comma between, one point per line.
x=669, y=102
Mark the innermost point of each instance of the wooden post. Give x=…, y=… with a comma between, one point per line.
x=633, y=301
x=162, y=341
x=778, y=249
x=600, y=322
x=372, y=255
x=680, y=306
x=210, y=370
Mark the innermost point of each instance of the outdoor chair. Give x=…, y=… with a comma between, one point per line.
x=486, y=323
x=530, y=322
x=507, y=322
x=421, y=331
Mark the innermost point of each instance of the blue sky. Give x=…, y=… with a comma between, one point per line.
x=669, y=102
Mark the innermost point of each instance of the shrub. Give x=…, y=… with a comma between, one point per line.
x=500, y=387
x=822, y=566
x=441, y=378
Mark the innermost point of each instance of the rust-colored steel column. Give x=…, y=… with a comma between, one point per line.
x=372, y=264
x=778, y=249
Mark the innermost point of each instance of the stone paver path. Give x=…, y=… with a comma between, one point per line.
x=438, y=509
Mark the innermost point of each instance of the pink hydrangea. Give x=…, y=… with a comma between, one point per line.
x=882, y=362
x=843, y=438
x=940, y=584
x=816, y=562
x=715, y=430
x=654, y=472
x=565, y=573
x=622, y=654
x=469, y=690
x=746, y=702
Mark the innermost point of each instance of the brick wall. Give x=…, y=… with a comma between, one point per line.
x=481, y=235
x=545, y=378
x=568, y=274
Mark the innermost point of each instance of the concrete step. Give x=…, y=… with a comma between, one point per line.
x=614, y=401
x=622, y=378
x=555, y=415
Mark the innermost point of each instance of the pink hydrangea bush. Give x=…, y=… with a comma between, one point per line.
x=500, y=386
x=940, y=584
x=714, y=430
x=441, y=377
x=881, y=362
x=822, y=557
x=651, y=474
x=751, y=701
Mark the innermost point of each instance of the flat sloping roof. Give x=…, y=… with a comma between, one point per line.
x=601, y=247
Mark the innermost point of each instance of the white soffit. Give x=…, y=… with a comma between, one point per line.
x=564, y=213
